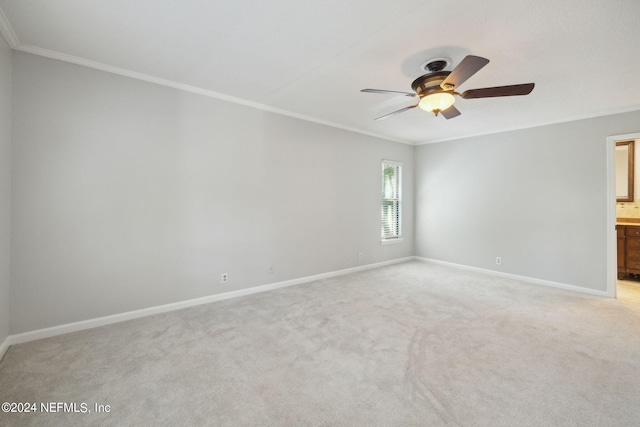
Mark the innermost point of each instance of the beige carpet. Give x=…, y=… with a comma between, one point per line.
x=413, y=344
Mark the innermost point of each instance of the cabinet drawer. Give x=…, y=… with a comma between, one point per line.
x=633, y=242
x=633, y=254
x=633, y=264
x=632, y=231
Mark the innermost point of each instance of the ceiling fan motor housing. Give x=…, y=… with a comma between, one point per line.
x=429, y=83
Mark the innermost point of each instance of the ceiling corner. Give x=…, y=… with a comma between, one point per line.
x=7, y=31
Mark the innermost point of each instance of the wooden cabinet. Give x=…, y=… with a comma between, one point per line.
x=628, y=250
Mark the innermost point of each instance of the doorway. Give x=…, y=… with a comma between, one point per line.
x=627, y=289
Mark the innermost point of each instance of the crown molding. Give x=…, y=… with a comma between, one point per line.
x=52, y=54
x=548, y=123
x=14, y=43
x=7, y=31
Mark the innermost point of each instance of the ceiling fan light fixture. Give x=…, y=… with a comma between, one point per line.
x=437, y=102
x=436, y=89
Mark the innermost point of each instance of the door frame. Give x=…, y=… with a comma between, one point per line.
x=612, y=260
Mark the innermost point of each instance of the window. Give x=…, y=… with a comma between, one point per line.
x=391, y=201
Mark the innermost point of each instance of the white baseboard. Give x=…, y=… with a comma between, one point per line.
x=4, y=347
x=121, y=317
x=517, y=277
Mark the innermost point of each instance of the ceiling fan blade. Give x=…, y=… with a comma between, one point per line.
x=402, y=110
x=389, y=92
x=467, y=68
x=450, y=112
x=490, y=92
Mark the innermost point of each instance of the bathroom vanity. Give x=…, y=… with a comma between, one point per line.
x=628, y=249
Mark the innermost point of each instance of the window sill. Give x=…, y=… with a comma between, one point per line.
x=391, y=241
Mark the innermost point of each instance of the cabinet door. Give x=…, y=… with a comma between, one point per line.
x=621, y=253
x=621, y=256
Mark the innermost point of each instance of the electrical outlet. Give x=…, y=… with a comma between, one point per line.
x=224, y=278
x=360, y=256
x=271, y=269
x=498, y=260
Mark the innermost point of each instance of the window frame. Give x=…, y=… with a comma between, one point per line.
x=397, y=237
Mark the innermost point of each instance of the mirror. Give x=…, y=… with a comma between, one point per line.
x=624, y=171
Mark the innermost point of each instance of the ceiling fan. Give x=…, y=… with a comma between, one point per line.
x=436, y=89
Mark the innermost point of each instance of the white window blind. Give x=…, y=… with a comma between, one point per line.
x=391, y=199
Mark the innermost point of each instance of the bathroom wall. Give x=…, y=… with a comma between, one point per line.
x=632, y=209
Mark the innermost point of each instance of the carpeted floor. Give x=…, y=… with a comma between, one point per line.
x=412, y=344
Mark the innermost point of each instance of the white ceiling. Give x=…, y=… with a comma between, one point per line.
x=310, y=58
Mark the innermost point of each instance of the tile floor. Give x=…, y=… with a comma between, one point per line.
x=629, y=290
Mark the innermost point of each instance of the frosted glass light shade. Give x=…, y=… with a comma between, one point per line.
x=437, y=101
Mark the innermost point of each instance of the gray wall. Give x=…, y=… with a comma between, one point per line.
x=535, y=197
x=129, y=195
x=5, y=187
